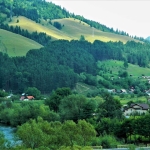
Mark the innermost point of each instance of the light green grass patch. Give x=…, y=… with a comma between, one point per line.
x=128, y=98
x=72, y=29
x=16, y=45
x=32, y=26
x=115, y=66
x=76, y=28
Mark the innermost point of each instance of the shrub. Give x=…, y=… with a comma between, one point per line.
x=108, y=141
x=132, y=147
x=57, y=25
x=3, y=93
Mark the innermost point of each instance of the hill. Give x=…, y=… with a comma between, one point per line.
x=76, y=28
x=71, y=29
x=16, y=45
x=32, y=26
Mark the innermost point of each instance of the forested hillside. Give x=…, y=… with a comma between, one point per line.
x=63, y=63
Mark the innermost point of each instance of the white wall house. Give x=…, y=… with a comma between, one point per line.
x=136, y=108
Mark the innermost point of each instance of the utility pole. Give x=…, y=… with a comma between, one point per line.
x=92, y=31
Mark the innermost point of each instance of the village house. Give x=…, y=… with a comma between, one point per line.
x=25, y=97
x=123, y=91
x=136, y=108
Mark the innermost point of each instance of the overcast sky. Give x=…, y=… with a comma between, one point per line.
x=131, y=16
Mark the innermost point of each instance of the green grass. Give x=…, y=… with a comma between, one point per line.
x=16, y=45
x=76, y=28
x=83, y=88
x=128, y=98
x=72, y=29
x=32, y=26
x=116, y=66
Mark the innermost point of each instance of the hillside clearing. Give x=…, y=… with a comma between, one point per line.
x=16, y=45
x=115, y=66
x=71, y=29
x=77, y=28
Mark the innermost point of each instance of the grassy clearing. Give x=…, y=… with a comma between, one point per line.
x=83, y=88
x=76, y=28
x=116, y=66
x=32, y=26
x=128, y=98
x=16, y=45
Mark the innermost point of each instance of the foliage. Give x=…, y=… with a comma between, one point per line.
x=76, y=148
x=75, y=107
x=40, y=37
x=2, y=141
x=87, y=132
x=17, y=114
x=3, y=93
x=107, y=126
x=35, y=134
x=57, y=25
x=108, y=141
x=33, y=91
x=82, y=38
x=110, y=107
x=31, y=135
x=55, y=99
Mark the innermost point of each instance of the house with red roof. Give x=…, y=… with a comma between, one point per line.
x=25, y=97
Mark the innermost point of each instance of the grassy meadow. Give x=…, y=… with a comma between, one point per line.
x=16, y=45
x=72, y=29
x=116, y=66
x=76, y=28
x=32, y=26
x=127, y=98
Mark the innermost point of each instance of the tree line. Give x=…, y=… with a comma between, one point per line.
x=39, y=37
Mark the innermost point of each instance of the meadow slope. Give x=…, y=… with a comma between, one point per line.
x=16, y=45
x=72, y=29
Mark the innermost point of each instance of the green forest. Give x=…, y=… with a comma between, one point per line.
x=77, y=86
x=62, y=64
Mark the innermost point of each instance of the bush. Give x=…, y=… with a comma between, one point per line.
x=33, y=91
x=132, y=147
x=108, y=141
x=3, y=93
x=2, y=141
x=57, y=25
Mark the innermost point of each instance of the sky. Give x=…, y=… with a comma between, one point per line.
x=131, y=16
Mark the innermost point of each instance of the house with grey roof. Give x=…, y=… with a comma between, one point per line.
x=136, y=108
